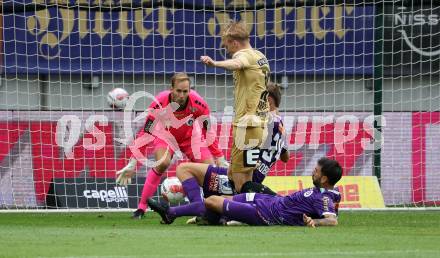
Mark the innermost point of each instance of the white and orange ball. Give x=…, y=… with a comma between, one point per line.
x=117, y=98
x=172, y=190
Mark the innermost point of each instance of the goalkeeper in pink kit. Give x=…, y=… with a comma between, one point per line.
x=177, y=119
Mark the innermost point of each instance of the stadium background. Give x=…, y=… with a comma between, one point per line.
x=59, y=61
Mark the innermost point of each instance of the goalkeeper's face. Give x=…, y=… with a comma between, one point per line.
x=180, y=92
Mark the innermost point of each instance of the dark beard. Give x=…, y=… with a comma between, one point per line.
x=316, y=183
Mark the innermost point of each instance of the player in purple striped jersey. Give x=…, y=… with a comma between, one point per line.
x=310, y=207
x=214, y=180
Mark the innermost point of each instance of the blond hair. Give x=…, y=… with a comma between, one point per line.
x=235, y=30
x=179, y=77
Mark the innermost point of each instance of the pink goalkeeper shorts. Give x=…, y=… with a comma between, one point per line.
x=193, y=153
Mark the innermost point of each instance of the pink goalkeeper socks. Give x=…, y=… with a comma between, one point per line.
x=150, y=187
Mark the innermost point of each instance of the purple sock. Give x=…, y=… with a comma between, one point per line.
x=196, y=206
x=192, y=209
x=192, y=190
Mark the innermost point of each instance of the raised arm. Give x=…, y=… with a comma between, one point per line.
x=229, y=64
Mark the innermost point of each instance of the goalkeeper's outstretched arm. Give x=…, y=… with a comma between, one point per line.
x=125, y=174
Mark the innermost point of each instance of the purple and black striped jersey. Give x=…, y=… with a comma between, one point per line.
x=216, y=181
x=288, y=210
x=274, y=146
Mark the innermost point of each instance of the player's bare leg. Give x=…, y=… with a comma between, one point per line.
x=240, y=179
x=215, y=203
x=191, y=175
x=208, y=161
x=244, y=154
x=189, y=170
x=153, y=180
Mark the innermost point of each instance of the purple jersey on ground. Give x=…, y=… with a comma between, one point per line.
x=216, y=182
x=274, y=146
x=288, y=210
x=335, y=195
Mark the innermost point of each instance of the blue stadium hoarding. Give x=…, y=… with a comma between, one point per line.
x=301, y=40
x=205, y=4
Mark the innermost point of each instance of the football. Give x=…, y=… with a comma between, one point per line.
x=172, y=190
x=117, y=98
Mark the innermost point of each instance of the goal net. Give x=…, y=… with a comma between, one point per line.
x=360, y=83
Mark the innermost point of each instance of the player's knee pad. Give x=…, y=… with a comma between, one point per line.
x=253, y=187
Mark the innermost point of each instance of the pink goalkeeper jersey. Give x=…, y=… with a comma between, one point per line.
x=195, y=108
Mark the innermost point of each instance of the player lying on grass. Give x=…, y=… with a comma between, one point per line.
x=214, y=180
x=311, y=207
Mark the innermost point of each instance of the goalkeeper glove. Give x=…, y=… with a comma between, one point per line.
x=221, y=162
x=125, y=174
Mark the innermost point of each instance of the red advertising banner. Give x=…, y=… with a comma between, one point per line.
x=425, y=127
x=32, y=153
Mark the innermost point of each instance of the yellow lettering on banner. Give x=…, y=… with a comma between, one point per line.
x=278, y=23
x=123, y=29
x=218, y=3
x=68, y=18
x=220, y=19
x=300, y=23
x=260, y=32
x=99, y=25
x=139, y=17
x=238, y=3
x=62, y=2
x=318, y=31
x=248, y=18
x=162, y=23
x=50, y=40
x=101, y=2
x=338, y=20
x=38, y=23
x=80, y=2
x=82, y=23
x=144, y=22
x=108, y=2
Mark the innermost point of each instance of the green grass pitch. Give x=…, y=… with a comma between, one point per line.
x=359, y=234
